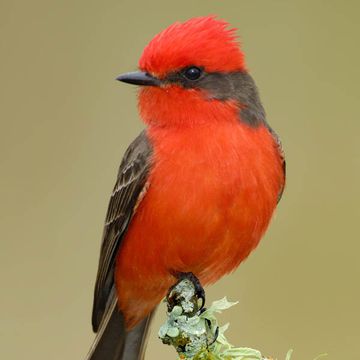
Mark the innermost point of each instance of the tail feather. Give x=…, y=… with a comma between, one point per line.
x=113, y=342
x=136, y=339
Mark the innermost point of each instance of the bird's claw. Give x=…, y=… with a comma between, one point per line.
x=216, y=334
x=172, y=298
x=199, y=290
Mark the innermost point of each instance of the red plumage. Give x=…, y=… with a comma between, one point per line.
x=211, y=195
x=214, y=179
x=201, y=41
x=195, y=191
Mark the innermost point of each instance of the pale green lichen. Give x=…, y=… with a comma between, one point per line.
x=195, y=334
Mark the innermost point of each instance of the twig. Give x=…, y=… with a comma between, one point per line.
x=194, y=331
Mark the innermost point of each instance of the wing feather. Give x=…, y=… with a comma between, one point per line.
x=282, y=156
x=129, y=187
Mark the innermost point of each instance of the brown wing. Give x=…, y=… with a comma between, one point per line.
x=130, y=183
x=282, y=156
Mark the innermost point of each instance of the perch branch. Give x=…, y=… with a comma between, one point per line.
x=194, y=331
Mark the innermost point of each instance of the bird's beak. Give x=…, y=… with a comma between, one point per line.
x=139, y=78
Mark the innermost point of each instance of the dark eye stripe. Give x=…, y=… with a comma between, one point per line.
x=237, y=85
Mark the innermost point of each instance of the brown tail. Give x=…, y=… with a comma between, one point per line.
x=113, y=342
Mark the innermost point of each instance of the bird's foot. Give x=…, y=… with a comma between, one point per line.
x=215, y=335
x=199, y=290
x=196, y=293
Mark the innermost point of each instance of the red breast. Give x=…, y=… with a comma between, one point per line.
x=212, y=191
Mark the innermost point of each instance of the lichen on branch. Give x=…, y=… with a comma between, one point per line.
x=194, y=330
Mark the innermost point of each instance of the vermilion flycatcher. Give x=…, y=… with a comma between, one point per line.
x=195, y=190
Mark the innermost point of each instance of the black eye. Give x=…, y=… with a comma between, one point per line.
x=192, y=73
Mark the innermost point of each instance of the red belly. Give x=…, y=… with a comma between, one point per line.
x=212, y=191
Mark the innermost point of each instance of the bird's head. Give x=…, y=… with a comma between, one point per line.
x=191, y=73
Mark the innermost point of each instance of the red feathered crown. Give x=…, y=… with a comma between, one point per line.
x=200, y=41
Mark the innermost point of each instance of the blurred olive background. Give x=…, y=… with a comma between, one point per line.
x=65, y=123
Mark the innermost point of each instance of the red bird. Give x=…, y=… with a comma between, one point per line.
x=195, y=190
